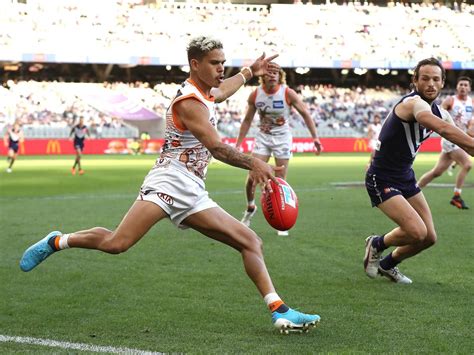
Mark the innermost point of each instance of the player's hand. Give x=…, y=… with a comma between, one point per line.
x=262, y=173
x=263, y=65
x=318, y=146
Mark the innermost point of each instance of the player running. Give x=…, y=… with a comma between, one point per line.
x=390, y=179
x=174, y=188
x=79, y=131
x=12, y=139
x=460, y=108
x=273, y=100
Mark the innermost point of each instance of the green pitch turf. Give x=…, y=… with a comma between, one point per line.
x=177, y=291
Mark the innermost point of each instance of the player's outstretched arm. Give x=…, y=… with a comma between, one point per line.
x=300, y=106
x=230, y=85
x=194, y=115
x=420, y=110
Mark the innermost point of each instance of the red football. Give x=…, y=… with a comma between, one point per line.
x=280, y=207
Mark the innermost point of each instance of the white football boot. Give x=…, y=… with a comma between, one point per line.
x=371, y=258
x=395, y=275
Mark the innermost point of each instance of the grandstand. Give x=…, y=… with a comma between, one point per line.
x=343, y=59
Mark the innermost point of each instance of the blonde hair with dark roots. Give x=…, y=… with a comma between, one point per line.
x=281, y=79
x=198, y=47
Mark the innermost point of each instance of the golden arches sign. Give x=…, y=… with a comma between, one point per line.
x=360, y=145
x=53, y=147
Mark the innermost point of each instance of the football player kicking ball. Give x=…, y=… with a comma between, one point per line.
x=390, y=179
x=174, y=188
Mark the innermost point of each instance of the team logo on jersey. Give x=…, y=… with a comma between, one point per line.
x=468, y=108
x=165, y=198
x=259, y=104
x=278, y=104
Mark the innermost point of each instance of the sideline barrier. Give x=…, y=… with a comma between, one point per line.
x=125, y=146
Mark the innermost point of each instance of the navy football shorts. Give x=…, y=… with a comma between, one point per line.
x=79, y=144
x=381, y=187
x=13, y=146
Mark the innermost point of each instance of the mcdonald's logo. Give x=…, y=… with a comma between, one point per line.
x=360, y=145
x=53, y=147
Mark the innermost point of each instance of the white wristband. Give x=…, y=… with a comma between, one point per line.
x=249, y=69
x=243, y=77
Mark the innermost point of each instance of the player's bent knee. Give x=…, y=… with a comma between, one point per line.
x=418, y=233
x=429, y=241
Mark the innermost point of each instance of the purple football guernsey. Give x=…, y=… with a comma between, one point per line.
x=399, y=142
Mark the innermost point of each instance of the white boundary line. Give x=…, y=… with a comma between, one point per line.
x=73, y=346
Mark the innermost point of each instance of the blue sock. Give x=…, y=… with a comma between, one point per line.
x=51, y=242
x=378, y=243
x=389, y=262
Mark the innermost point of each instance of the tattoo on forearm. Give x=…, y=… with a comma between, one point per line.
x=232, y=156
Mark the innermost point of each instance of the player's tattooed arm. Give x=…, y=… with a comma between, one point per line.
x=194, y=116
x=232, y=156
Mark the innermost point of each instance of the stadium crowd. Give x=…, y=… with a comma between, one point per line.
x=72, y=30
x=336, y=111
x=353, y=31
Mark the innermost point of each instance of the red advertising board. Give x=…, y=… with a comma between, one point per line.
x=122, y=146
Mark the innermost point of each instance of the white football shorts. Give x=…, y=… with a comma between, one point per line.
x=373, y=144
x=176, y=193
x=447, y=146
x=278, y=144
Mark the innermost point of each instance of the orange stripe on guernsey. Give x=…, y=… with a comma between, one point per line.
x=274, y=305
x=177, y=122
x=209, y=98
x=56, y=243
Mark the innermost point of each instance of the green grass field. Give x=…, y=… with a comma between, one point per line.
x=177, y=291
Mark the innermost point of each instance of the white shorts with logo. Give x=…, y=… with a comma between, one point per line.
x=278, y=144
x=176, y=193
x=447, y=146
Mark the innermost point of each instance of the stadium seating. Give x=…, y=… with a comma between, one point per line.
x=48, y=109
x=125, y=31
